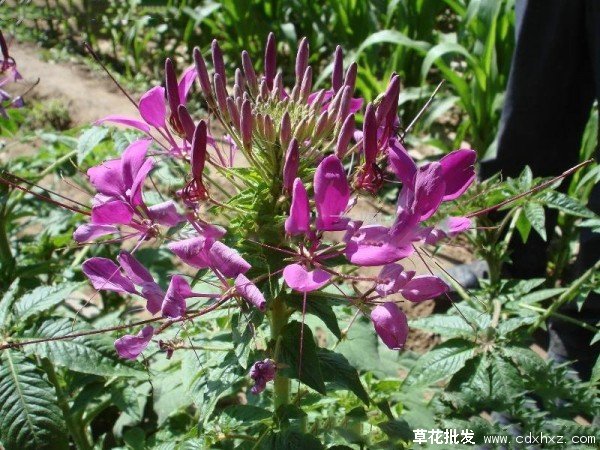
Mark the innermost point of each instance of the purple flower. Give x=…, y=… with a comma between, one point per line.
x=262, y=372
x=248, y=290
x=130, y=346
x=332, y=194
x=391, y=325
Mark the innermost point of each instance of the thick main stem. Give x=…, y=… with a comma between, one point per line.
x=281, y=384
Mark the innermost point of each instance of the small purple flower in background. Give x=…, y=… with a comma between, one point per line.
x=8, y=74
x=262, y=372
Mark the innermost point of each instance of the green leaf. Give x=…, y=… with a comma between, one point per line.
x=595, y=377
x=566, y=204
x=6, y=304
x=42, y=299
x=536, y=217
x=319, y=307
x=247, y=413
x=506, y=382
x=291, y=440
x=442, y=362
x=87, y=354
x=292, y=351
x=335, y=367
x=29, y=415
x=523, y=226
x=444, y=325
x=89, y=139
x=397, y=429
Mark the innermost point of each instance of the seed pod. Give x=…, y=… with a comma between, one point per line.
x=291, y=164
x=218, y=63
x=198, y=158
x=345, y=136
x=301, y=61
x=270, y=60
x=285, y=130
x=249, y=72
x=337, y=75
x=370, y=135
x=203, y=76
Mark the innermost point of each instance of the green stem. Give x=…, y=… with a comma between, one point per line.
x=75, y=429
x=6, y=255
x=281, y=384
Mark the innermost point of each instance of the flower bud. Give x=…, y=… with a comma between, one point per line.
x=350, y=79
x=344, y=105
x=277, y=92
x=301, y=60
x=346, y=133
x=291, y=164
x=269, y=128
x=250, y=292
x=238, y=78
x=246, y=123
x=306, y=84
x=218, y=63
x=198, y=158
x=203, y=76
x=337, y=75
x=234, y=114
x=262, y=372
x=187, y=122
x=370, y=135
x=285, y=130
x=249, y=72
x=391, y=325
x=270, y=60
x=389, y=100
x=221, y=93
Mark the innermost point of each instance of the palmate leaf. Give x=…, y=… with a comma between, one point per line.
x=29, y=415
x=42, y=299
x=442, y=362
x=87, y=354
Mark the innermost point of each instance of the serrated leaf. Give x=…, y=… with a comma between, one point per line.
x=566, y=204
x=42, y=299
x=523, y=226
x=6, y=304
x=444, y=325
x=291, y=353
x=87, y=354
x=442, y=362
x=319, y=307
x=536, y=217
x=88, y=140
x=541, y=295
x=247, y=413
x=508, y=326
x=335, y=367
x=29, y=415
x=506, y=382
x=291, y=440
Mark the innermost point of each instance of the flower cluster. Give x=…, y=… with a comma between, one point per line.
x=297, y=153
x=8, y=74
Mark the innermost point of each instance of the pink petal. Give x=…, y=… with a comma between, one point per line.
x=165, y=214
x=192, y=251
x=105, y=275
x=135, y=193
x=132, y=160
x=332, y=193
x=130, y=346
x=391, y=325
x=458, y=172
x=299, y=220
x=372, y=245
x=401, y=163
x=174, y=304
x=301, y=280
x=89, y=232
x=112, y=213
x=455, y=225
x=153, y=108
x=134, y=270
x=227, y=261
x=392, y=278
x=429, y=190
x=186, y=82
x=250, y=292
x=126, y=121
x=154, y=296
x=423, y=287
x=107, y=178
x=355, y=105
